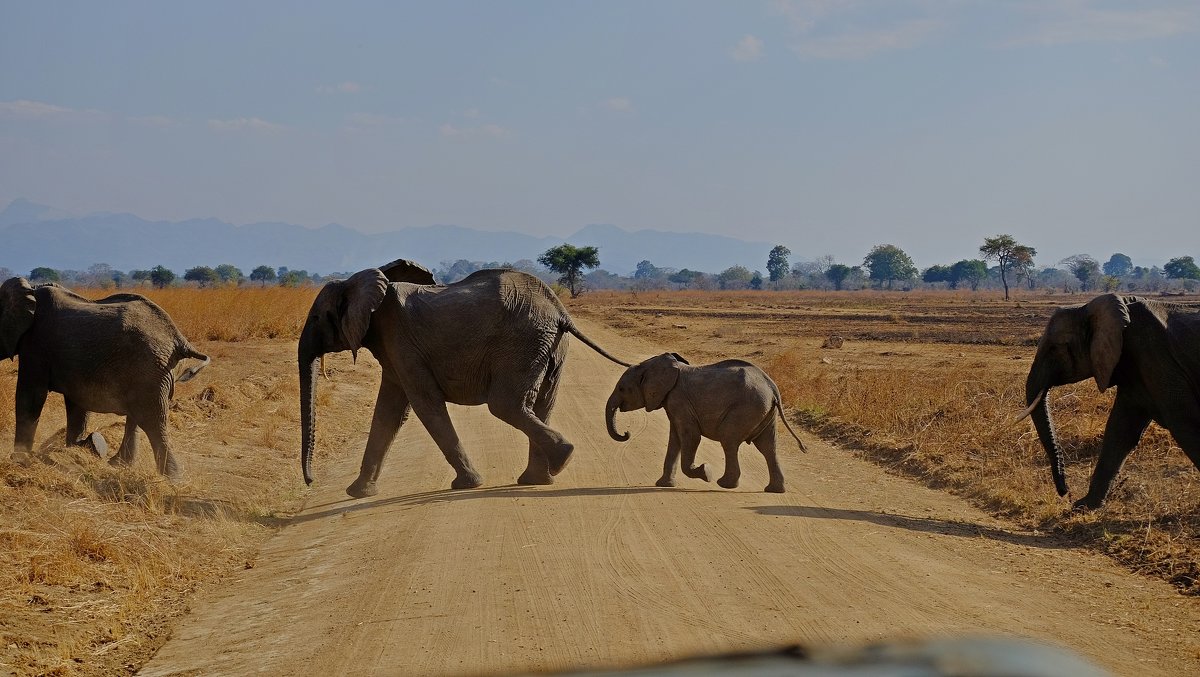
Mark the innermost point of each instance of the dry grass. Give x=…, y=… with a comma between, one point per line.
x=928, y=384
x=231, y=313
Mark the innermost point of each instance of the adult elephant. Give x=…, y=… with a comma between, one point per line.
x=1149, y=350
x=115, y=355
x=495, y=338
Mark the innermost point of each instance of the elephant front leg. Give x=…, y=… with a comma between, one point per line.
x=391, y=411
x=1125, y=426
x=668, y=476
x=689, y=442
x=29, y=403
x=437, y=421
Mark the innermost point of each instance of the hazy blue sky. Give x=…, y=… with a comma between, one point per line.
x=827, y=125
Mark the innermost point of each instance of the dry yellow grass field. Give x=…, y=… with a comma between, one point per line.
x=96, y=562
x=928, y=384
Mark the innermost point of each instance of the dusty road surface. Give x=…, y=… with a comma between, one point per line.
x=604, y=569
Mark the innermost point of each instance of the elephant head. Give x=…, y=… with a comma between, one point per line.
x=17, y=306
x=1079, y=342
x=338, y=320
x=643, y=385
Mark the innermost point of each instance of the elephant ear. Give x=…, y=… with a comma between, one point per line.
x=1108, y=316
x=658, y=380
x=403, y=270
x=362, y=294
x=679, y=358
x=17, y=307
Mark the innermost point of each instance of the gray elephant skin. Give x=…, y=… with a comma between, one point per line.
x=732, y=402
x=115, y=356
x=1148, y=350
x=495, y=338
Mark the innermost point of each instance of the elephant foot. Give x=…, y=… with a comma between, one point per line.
x=1087, y=503
x=665, y=482
x=698, y=473
x=530, y=477
x=362, y=489
x=120, y=461
x=774, y=488
x=557, y=458
x=96, y=443
x=466, y=480
x=728, y=482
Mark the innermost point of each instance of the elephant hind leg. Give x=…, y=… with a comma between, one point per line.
x=1125, y=426
x=128, y=450
x=77, y=422
x=537, y=470
x=765, y=443
x=156, y=432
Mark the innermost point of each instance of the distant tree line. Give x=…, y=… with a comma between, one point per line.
x=104, y=276
x=885, y=266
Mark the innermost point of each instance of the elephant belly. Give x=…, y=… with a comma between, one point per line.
x=96, y=399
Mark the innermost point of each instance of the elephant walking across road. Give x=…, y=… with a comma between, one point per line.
x=732, y=402
x=115, y=355
x=495, y=338
x=1148, y=349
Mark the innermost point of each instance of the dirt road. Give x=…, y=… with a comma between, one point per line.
x=604, y=569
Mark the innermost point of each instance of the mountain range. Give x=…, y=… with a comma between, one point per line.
x=38, y=235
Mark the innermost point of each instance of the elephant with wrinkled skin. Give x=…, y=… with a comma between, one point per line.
x=731, y=402
x=115, y=356
x=495, y=338
x=1148, y=350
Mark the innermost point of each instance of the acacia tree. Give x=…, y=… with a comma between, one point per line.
x=1182, y=268
x=161, y=276
x=887, y=263
x=971, y=271
x=1009, y=254
x=263, y=275
x=777, y=262
x=837, y=274
x=1084, y=268
x=1118, y=265
x=202, y=275
x=569, y=261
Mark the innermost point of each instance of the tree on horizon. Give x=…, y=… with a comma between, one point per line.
x=569, y=262
x=1009, y=254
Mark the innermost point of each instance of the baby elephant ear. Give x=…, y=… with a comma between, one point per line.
x=17, y=307
x=362, y=294
x=1108, y=315
x=403, y=270
x=659, y=378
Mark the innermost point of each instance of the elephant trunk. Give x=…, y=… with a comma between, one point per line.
x=1037, y=396
x=307, y=356
x=610, y=418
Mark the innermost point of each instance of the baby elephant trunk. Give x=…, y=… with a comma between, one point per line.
x=610, y=418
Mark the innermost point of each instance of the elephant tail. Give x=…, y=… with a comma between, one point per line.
x=779, y=407
x=187, y=352
x=568, y=326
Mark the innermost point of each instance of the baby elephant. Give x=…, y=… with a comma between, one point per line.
x=731, y=402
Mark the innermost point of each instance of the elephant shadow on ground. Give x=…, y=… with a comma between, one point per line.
x=929, y=525
x=350, y=505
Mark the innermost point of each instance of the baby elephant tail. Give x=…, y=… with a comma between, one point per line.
x=779, y=408
x=188, y=352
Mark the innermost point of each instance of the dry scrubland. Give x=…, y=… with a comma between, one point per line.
x=928, y=384
x=95, y=563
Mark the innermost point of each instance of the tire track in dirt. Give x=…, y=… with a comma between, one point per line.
x=604, y=569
